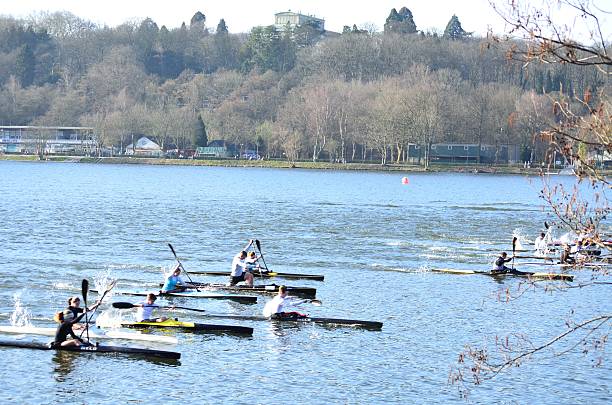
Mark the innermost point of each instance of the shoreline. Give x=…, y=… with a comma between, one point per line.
x=283, y=164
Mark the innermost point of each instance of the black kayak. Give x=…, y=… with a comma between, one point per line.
x=271, y=289
x=93, y=349
x=265, y=274
x=372, y=325
x=192, y=327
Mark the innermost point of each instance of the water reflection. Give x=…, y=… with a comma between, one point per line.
x=63, y=364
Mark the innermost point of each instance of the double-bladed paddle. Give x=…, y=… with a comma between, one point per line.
x=181, y=266
x=84, y=290
x=513, y=250
x=110, y=287
x=128, y=305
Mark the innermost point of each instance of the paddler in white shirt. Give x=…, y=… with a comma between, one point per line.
x=239, y=270
x=276, y=307
x=145, y=310
x=540, y=244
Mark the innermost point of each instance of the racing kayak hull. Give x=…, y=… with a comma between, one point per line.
x=372, y=325
x=192, y=327
x=243, y=299
x=270, y=289
x=111, y=334
x=514, y=273
x=94, y=349
x=266, y=274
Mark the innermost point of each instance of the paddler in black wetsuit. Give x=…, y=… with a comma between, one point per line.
x=65, y=329
x=500, y=264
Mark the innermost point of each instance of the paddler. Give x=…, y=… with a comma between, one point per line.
x=239, y=270
x=145, y=310
x=566, y=255
x=500, y=264
x=65, y=329
x=74, y=310
x=251, y=262
x=275, y=308
x=174, y=282
x=540, y=244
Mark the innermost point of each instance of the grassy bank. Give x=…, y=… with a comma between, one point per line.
x=282, y=164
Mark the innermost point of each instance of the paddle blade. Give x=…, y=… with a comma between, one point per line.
x=514, y=244
x=316, y=303
x=546, y=225
x=258, y=244
x=172, y=248
x=84, y=290
x=123, y=305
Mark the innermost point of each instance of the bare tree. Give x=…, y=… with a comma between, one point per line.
x=581, y=129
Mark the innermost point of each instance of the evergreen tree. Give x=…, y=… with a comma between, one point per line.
x=454, y=30
x=401, y=23
x=222, y=28
x=25, y=64
x=201, y=137
x=198, y=18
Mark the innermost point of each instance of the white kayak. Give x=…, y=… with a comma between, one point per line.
x=98, y=334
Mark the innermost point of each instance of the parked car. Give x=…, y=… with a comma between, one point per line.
x=251, y=156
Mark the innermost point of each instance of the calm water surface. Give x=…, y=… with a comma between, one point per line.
x=373, y=238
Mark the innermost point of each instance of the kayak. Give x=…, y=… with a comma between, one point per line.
x=515, y=273
x=244, y=299
x=111, y=334
x=306, y=292
x=265, y=274
x=93, y=349
x=372, y=325
x=191, y=327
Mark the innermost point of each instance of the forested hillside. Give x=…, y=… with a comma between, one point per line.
x=289, y=93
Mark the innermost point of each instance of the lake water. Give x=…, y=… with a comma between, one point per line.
x=372, y=237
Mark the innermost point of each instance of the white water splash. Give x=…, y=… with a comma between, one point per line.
x=109, y=319
x=521, y=239
x=20, y=316
x=103, y=281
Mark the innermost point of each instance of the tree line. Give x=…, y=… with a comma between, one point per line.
x=293, y=93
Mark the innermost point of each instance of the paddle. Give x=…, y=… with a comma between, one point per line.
x=181, y=266
x=84, y=289
x=261, y=254
x=513, y=250
x=128, y=305
x=110, y=287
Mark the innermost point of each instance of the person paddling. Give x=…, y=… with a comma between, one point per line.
x=145, y=310
x=74, y=310
x=174, y=282
x=275, y=308
x=65, y=329
x=500, y=264
x=239, y=270
x=566, y=255
x=540, y=245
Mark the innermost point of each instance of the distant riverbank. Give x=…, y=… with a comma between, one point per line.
x=283, y=164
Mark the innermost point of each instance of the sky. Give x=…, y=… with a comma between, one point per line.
x=476, y=16
x=240, y=16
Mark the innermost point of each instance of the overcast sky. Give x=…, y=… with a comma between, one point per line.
x=241, y=16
